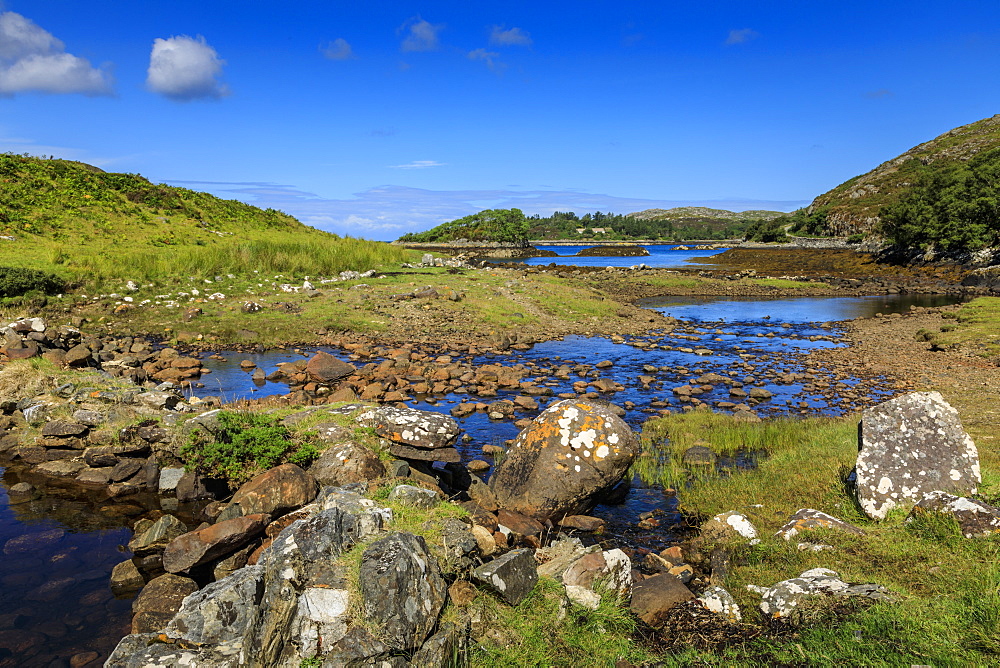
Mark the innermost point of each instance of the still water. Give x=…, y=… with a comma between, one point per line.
x=661, y=256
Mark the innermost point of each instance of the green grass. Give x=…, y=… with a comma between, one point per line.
x=947, y=586
x=976, y=328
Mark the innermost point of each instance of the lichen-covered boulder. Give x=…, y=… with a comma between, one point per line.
x=345, y=463
x=421, y=429
x=222, y=611
x=975, y=518
x=909, y=446
x=721, y=602
x=564, y=460
x=729, y=526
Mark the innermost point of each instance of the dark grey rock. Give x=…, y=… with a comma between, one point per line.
x=909, y=446
x=512, y=576
x=402, y=590
x=976, y=519
x=410, y=495
x=447, y=647
x=222, y=611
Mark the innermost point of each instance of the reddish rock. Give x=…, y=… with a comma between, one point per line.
x=654, y=596
x=582, y=523
x=203, y=545
x=325, y=368
x=519, y=524
x=159, y=600
x=277, y=491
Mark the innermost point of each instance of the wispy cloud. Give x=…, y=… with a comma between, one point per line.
x=184, y=68
x=33, y=60
x=741, y=36
x=338, y=49
x=488, y=57
x=421, y=35
x=879, y=94
x=511, y=37
x=418, y=164
x=387, y=212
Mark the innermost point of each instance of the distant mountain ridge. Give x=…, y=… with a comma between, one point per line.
x=854, y=206
x=704, y=213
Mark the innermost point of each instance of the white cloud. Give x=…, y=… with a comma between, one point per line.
x=512, y=37
x=421, y=35
x=418, y=164
x=32, y=59
x=338, y=49
x=184, y=68
x=387, y=212
x=488, y=57
x=741, y=36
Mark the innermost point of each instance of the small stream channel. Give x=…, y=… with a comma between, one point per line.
x=58, y=549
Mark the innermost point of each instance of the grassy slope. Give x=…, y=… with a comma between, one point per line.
x=704, y=214
x=89, y=225
x=855, y=204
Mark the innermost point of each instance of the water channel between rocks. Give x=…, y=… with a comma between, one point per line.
x=58, y=550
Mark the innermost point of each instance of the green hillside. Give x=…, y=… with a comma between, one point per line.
x=855, y=206
x=86, y=225
x=507, y=226
x=705, y=214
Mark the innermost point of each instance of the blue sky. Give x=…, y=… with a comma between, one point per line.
x=374, y=119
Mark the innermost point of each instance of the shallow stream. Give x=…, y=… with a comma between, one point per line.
x=58, y=550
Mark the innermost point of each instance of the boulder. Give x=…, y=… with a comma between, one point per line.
x=325, y=368
x=305, y=555
x=222, y=611
x=560, y=465
x=276, y=491
x=203, y=545
x=402, y=590
x=975, y=518
x=654, y=596
x=512, y=576
x=612, y=568
x=159, y=600
x=126, y=578
x=162, y=532
x=420, y=429
x=808, y=519
x=346, y=463
x=909, y=446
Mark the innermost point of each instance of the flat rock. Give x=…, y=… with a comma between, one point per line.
x=421, y=429
x=909, y=446
x=203, y=545
x=975, y=518
x=808, y=519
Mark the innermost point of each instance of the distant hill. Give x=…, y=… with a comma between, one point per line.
x=855, y=206
x=703, y=214
x=87, y=225
x=62, y=199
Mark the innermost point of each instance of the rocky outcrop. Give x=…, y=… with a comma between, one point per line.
x=909, y=446
x=573, y=452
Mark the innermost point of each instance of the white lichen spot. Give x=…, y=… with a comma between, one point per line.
x=602, y=451
x=884, y=485
x=954, y=474
x=577, y=468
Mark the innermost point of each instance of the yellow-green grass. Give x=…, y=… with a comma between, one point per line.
x=976, y=327
x=946, y=586
x=673, y=282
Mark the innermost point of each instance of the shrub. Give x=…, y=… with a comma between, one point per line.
x=17, y=281
x=244, y=445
